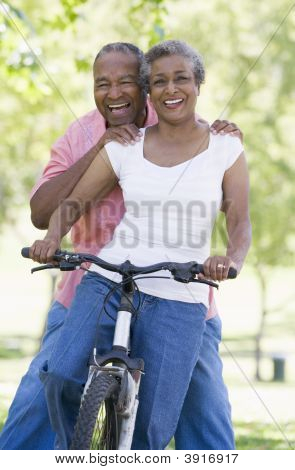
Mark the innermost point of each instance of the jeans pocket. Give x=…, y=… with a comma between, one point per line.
x=94, y=282
x=147, y=300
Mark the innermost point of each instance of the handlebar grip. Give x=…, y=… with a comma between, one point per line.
x=232, y=273
x=26, y=252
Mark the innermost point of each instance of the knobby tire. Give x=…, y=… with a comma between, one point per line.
x=97, y=425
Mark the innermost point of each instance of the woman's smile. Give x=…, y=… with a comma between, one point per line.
x=173, y=103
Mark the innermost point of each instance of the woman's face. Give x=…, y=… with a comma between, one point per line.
x=173, y=89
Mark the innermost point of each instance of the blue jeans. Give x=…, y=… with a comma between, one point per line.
x=27, y=425
x=168, y=335
x=205, y=420
x=204, y=423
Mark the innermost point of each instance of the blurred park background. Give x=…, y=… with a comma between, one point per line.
x=46, y=55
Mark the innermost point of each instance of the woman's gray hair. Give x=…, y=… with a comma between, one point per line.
x=169, y=48
x=125, y=48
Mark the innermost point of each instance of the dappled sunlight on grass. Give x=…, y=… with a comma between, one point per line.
x=261, y=436
x=264, y=436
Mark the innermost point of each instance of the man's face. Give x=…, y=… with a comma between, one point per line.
x=117, y=94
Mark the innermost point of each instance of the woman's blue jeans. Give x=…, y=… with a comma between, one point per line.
x=168, y=335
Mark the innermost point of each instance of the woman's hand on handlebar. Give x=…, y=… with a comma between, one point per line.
x=216, y=268
x=42, y=251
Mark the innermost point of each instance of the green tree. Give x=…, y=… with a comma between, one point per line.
x=28, y=92
x=147, y=17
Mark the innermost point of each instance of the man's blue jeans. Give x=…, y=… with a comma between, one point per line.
x=204, y=423
x=168, y=335
x=27, y=425
x=205, y=420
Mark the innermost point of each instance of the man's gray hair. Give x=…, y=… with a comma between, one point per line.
x=125, y=48
x=169, y=48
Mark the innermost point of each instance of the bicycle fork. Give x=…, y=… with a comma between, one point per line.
x=118, y=363
x=122, y=341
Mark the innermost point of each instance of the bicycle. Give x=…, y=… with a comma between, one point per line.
x=109, y=402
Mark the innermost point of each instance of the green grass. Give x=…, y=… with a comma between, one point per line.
x=261, y=436
x=264, y=436
x=3, y=413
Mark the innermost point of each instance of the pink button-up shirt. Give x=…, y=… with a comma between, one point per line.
x=94, y=229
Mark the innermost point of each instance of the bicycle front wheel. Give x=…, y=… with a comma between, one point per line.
x=97, y=425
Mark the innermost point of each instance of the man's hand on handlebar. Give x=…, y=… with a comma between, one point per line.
x=216, y=268
x=42, y=251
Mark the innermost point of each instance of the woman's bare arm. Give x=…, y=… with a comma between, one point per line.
x=236, y=208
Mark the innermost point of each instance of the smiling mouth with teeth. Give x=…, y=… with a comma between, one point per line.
x=118, y=107
x=173, y=102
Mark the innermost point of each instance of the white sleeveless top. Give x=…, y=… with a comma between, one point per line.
x=170, y=212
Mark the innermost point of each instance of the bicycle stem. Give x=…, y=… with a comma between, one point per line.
x=122, y=330
x=123, y=323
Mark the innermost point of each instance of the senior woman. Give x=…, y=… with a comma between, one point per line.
x=174, y=181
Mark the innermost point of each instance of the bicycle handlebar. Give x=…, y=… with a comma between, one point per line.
x=25, y=252
x=182, y=272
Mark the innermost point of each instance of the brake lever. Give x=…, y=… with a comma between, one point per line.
x=186, y=277
x=44, y=266
x=62, y=266
x=204, y=281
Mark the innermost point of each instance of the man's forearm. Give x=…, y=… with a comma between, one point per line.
x=63, y=218
x=52, y=192
x=239, y=240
